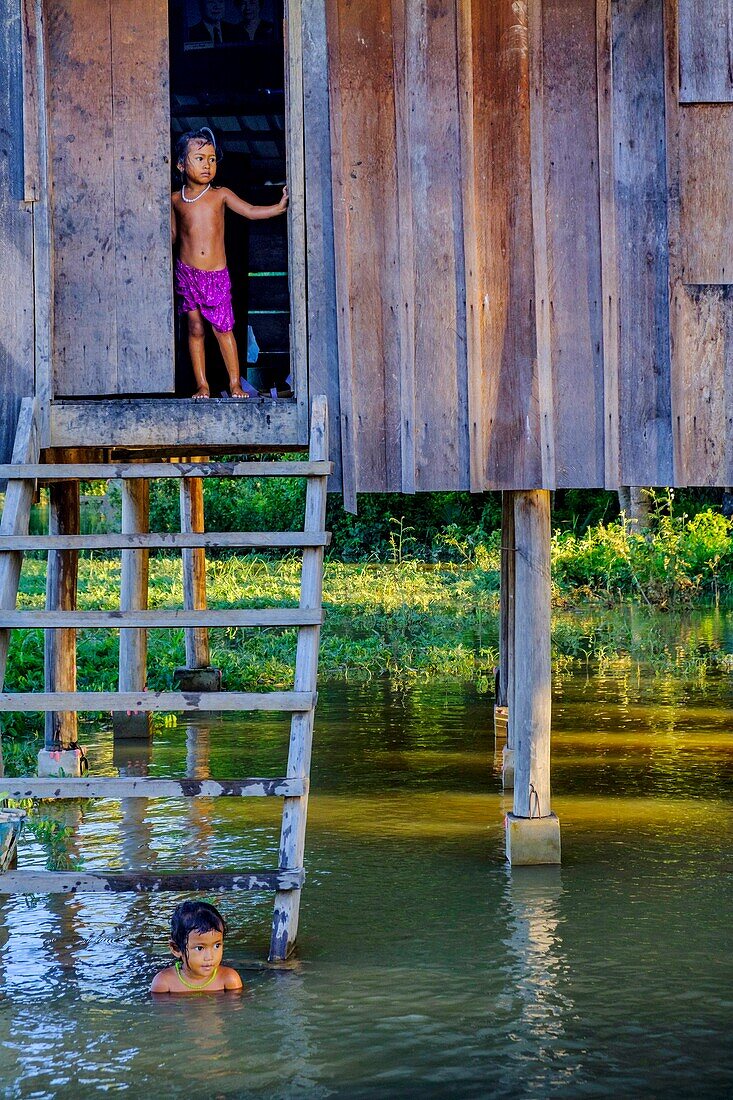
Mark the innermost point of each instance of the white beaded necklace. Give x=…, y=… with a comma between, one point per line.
x=183, y=188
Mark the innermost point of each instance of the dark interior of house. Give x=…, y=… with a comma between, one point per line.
x=227, y=73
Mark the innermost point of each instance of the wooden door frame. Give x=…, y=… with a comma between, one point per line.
x=295, y=174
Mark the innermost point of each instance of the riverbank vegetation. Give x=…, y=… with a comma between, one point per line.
x=413, y=595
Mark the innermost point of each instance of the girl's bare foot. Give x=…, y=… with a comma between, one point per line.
x=237, y=391
x=201, y=393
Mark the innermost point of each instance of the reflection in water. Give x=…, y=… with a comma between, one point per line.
x=424, y=966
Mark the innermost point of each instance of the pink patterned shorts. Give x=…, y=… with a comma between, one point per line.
x=209, y=291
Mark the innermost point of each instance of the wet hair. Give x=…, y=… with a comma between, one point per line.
x=194, y=916
x=201, y=137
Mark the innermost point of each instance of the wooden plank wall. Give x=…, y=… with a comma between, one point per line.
x=699, y=114
x=16, y=235
x=109, y=134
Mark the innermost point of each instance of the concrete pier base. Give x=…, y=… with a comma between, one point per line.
x=501, y=723
x=197, y=679
x=507, y=768
x=531, y=841
x=137, y=725
x=60, y=762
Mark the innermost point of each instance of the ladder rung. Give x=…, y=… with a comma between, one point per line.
x=149, y=787
x=165, y=541
x=291, y=702
x=72, y=882
x=99, y=471
x=265, y=616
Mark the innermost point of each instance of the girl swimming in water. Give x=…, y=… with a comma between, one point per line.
x=197, y=942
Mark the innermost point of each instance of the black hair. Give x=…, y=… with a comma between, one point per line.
x=194, y=916
x=204, y=136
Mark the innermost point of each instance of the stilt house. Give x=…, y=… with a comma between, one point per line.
x=507, y=264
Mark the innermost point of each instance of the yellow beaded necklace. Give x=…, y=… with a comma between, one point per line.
x=195, y=985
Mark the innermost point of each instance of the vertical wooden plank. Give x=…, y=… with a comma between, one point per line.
x=43, y=288
x=704, y=149
x=16, y=236
x=32, y=179
x=406, y=304
x=198, y=654
x=295, y=166
x=572, y=389
x=142, y=254
x=506, y=604
x=295, y=810
x=641, y=226
x=361, y=83
x=609, y=255
x=134, y=597
x=321, y=287
x=476, y=436
x=706, y=51
x=82, y=210
x=543, y=304
x=61, y=580
x=436, y=239
x=509, y=383
x=16, y=515
x=532, y=698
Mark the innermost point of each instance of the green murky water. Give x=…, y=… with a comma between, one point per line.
x=425, y=968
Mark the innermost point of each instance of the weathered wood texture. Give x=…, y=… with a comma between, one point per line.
x=167, y=540
x=295, y=810
x=295, y=174
x=59, y=646
x=192, y=425
x=567, y=250
x=706, y=51
x=148, y=701
x=530, y=706
x=15, y=519
x=321, y=274
x=16, y=235
x=198, y=653
x=145, y=882
x=134, y=586
x=106, y=471
x=645, y=436
x=145, y=787
x=109, y=132
x=139, y=620
x=700, y=168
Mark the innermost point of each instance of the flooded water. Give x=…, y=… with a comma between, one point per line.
x=425, y=968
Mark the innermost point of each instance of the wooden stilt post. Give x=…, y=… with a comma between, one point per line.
x=292, y=837
x=533, y=831
x=502, y=716
x=15, y=518
x=60, y=645
x=134, y=597
x=197, y=675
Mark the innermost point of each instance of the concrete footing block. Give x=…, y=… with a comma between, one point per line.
x=197, y=679
x=531, y=841
x=507, y=769
x=132, y=725
x=501, y=722
x=60, y=762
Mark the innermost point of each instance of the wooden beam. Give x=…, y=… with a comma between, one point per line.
x=145, y=787
x=110, y=471
x=171, y=422
x=145, y=620
x=145, y=882
x=506, y=602
x=531, y=704
x=165, y=541
x=15, y=517
x=134, y=588
x=295, y=174
x=198, y=652
x=60, y=645
x=295, y=810
x=32, y=701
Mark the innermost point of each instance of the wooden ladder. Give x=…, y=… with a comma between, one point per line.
x=287, y=879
